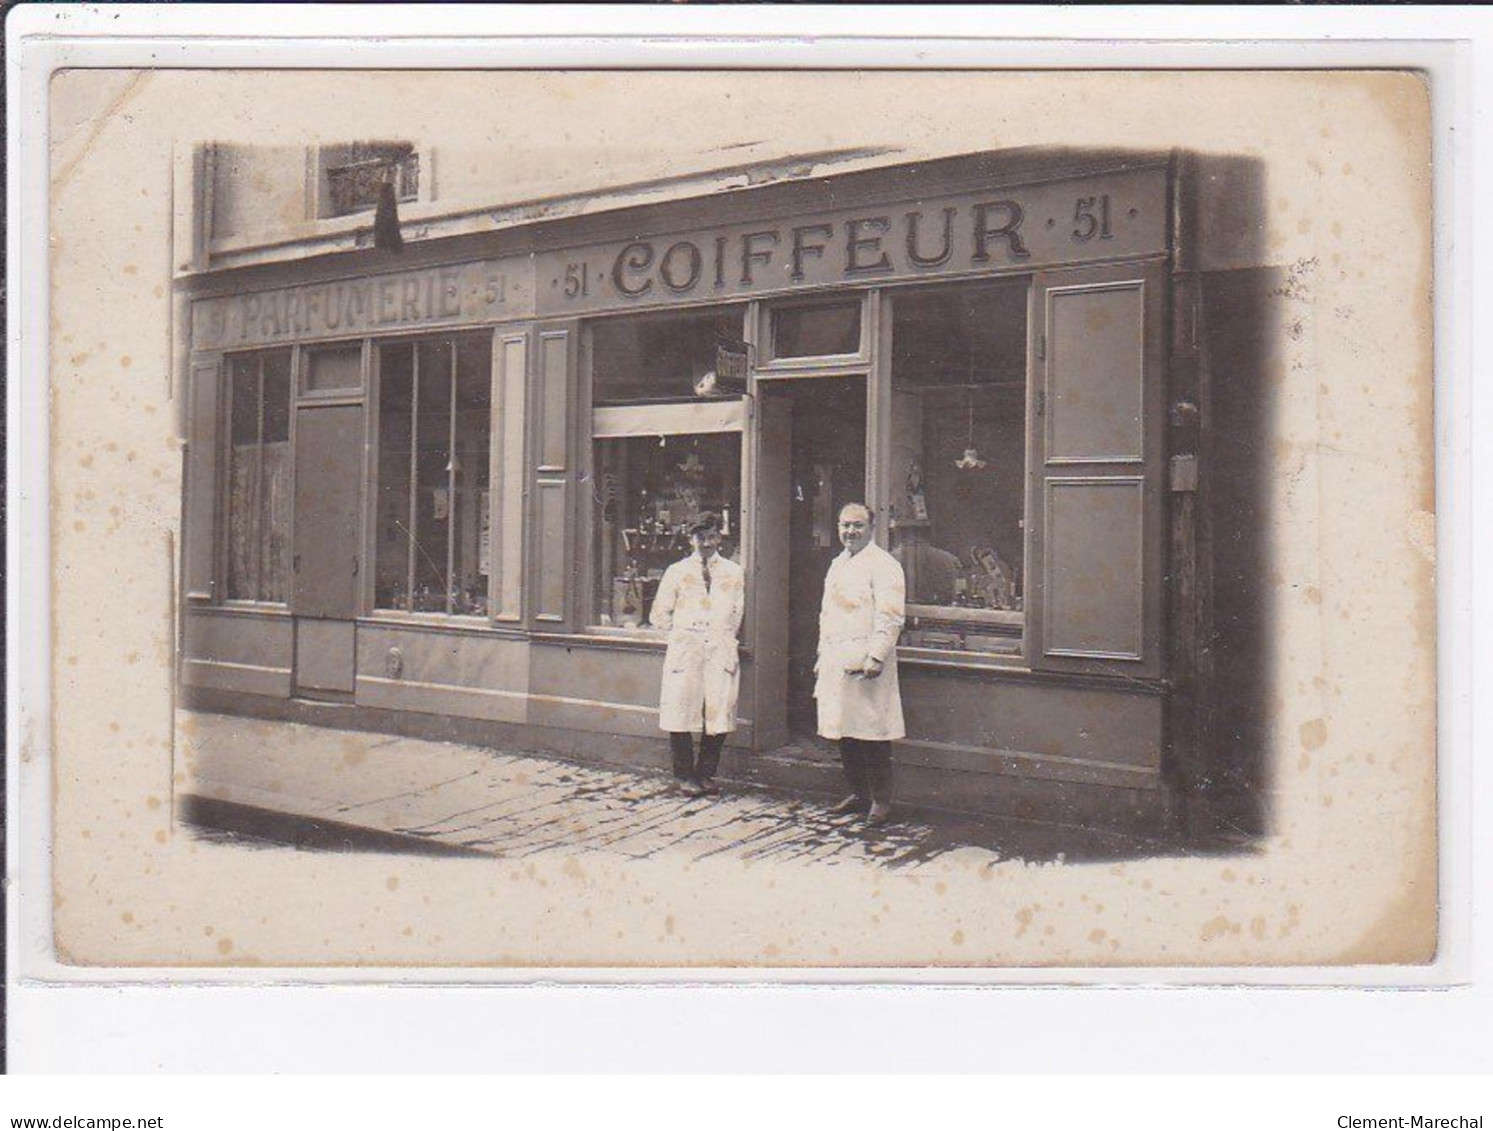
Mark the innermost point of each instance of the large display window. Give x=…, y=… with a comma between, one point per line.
x=958, y=462
x=433, y=509
x=667, y=446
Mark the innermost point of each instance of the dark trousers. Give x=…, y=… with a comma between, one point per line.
x=686, y=766
x=868, y=768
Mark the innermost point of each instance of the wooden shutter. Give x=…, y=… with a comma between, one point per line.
x=204, y=442
x=1094, y=512
x=508, y=474
x=553, y=444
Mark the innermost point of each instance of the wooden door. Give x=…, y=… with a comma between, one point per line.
x=328, y=546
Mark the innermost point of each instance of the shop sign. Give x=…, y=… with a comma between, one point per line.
x=455, y=295
x=1113, y=216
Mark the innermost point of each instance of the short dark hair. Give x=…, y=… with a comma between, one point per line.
x=708, y=523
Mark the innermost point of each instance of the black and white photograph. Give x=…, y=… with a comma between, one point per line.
x=742, y=519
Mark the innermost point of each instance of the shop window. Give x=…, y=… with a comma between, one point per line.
x=653, y=358
x=433, y=511
x=648, y=491
x=333, y=369
x=958, y=463
x=353, y=174
x=258, y=484
x=667, y=447
x=816, y=330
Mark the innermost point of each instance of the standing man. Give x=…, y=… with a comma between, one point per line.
x=859, y=701
x=700, y=602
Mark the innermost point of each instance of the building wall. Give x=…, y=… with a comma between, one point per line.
x=258, y=189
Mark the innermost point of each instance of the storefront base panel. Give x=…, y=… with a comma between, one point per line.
x=1073, y=731
x=1144, y=806
x=233, y=650
x=609, y=688
x=441, y=699
x=439, y=655
x=437, y=671
x=633, y=752
x=247, y=678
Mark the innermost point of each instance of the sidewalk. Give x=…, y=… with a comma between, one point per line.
x=279, y=783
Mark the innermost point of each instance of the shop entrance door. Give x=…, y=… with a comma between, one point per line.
x=820, y=437
x=326, y=562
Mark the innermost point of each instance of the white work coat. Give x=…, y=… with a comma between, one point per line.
x=701, y=668
x=861, y=616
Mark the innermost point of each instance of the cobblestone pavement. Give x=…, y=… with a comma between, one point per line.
x=276, y=783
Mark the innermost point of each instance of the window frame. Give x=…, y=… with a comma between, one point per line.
x=830, y=364
x=319, y=206
x=343, y=394
x=953, y=615
x=223, y=549
x=589, y=614
x=373, y=363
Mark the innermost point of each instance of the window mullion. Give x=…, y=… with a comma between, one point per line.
x=414, y=510
x=256, y=494
x=451, y=485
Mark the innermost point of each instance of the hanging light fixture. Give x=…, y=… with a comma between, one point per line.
x=970, y=460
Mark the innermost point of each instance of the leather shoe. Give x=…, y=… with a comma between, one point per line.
x=851, y=804
x=691, y=788
x=880, y=814
x=707, y=788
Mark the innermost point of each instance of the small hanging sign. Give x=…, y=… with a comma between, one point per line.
x=732, y=360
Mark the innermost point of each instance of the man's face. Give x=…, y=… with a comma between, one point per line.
x=707, y=542
x=855, y=528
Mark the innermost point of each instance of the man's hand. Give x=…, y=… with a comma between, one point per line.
x=872, y=667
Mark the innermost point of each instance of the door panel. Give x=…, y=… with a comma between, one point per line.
x=1096, y=501
x=324, y=659
x=552, y=518
x=769, y=588
x=328, y=511
x=1096, y=374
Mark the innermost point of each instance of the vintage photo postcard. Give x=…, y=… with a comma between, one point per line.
x=748, y=520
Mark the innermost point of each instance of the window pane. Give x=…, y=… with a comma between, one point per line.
x=470, y=512
x=959, y=462
x=243, y=485
x=340, y=367
x=274, y=478
x=258, y=477
x=658, y=357
x=433, y=542
x=391, y=589
x=432, y=474
x=646, y=494
x=355, y=174
x=816, y=331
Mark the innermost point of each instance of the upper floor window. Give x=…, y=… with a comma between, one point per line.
x=353, y=173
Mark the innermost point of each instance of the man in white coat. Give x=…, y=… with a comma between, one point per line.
x=700, y=602
x=859, y=701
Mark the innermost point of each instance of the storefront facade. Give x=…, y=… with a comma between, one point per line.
x=434, y=490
